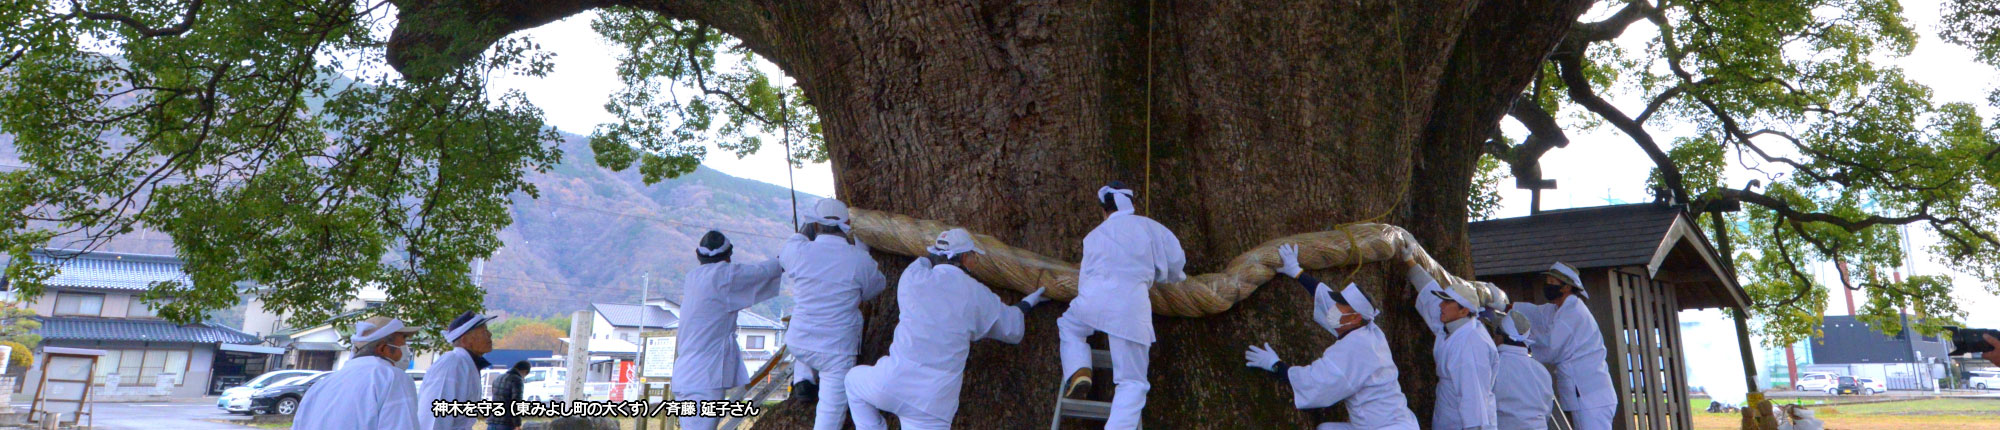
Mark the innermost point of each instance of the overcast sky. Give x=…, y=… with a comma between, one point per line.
x=1595, y=169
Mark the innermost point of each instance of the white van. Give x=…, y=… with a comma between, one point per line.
x=544, y=384
x=1984, y=379
x=1819, y=381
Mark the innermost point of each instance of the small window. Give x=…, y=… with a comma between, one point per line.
x=79, y=304
x=140, y=309
x=755, y=342
x=372, y=304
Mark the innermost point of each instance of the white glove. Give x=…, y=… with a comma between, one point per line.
x=1289, y=253
x=1261, y=358
x=1409, y=252
x=1035, y=298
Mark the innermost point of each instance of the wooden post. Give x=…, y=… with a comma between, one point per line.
x=1743, y=342
x=580, y=323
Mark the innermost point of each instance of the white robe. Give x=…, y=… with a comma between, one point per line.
x=830, y=278
x=366, y=393
x=453, y=377
x=1357, y=369
x=1568, y=339
x=1521, y=390
x=1122, y=259
x=1465, y=356
x=706, y=355
x=942, y=310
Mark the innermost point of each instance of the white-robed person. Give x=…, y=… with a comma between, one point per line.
x=1464, y=353
x=371, y=391
x=1122, y=259
x=831, y=274
x=1566, y=337
x=1357, y=369
x=454, y=377
x=707, y=360
x=1521, y=386
x=942, y=311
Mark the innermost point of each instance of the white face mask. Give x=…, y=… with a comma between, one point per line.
x=405, y=356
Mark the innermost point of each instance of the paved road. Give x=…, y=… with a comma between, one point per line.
x=164, y=416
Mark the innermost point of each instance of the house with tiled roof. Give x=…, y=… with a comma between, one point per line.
x=621, y=325
x=92, y=302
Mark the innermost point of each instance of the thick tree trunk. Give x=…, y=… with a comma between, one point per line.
x=1237, y=121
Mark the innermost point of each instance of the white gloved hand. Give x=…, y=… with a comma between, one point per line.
x=1035, y=298
x=1409, y=252
x=1261, y=358
x=1289, y=253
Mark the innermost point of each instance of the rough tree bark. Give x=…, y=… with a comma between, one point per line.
x=1265, y=118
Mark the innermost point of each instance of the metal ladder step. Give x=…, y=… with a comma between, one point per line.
x=1082, y=409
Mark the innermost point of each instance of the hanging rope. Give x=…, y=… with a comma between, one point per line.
x=785, y=118
x=1004, y=266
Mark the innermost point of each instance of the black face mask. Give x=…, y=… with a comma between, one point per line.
x=1552, y=292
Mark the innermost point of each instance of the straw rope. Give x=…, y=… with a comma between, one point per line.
x=1017, y=269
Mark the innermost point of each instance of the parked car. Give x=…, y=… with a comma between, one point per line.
x=1844, y=385
x=237, y=399
x=1873, y=386
x=416, y=375
x=283, y=398
x=544, y=384
x=1816, y=381
x=1984, y=379
x=486, y=379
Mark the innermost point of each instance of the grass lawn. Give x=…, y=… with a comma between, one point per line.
x=1927, y=414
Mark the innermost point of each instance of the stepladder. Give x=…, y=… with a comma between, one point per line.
x=1082, y=409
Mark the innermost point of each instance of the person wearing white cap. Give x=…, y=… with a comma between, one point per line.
x=1567, y=338
x=707, y=360
x=1122, y=259
x=1521, y=388
x=371, y=391
x=1357, y=369
x=942, y=310
x=454, y=377
x=831, y=274
x=1464, y=353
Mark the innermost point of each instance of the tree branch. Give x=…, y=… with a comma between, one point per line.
x=1569, y=63
x=187, y=19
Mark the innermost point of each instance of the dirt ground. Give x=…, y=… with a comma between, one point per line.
x=1931, y=414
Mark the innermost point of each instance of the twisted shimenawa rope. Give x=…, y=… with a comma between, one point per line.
x=1021, y=270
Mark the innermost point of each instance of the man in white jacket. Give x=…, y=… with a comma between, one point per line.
x=1122, y=259
x=942, y=310
x=831, y=274
x=371, y=391
x=454, y=377
x=1357, y=369
x=707, y=359
x=1567, y=338
x=1464, y=353
x=1521, y=388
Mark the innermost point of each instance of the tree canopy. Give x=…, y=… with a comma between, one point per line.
x=275, y=145
x=1789, y=127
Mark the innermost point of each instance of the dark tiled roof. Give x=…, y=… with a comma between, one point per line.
x=86, y=328
x=1604, y=236
x=630, y=315
x=747, y=319
x=110, y=271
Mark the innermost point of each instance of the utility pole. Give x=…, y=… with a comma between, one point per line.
x=645, y=294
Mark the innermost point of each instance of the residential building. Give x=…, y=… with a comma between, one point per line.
x=93, y=302
x=618, y=328
x=1903, y=361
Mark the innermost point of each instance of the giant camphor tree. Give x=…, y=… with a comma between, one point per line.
x=274, y=143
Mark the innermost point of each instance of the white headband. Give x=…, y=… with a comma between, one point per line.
x=475, y=322
x=1358, y=301
x=1121, y=198
x=365, y=332
x=1513, y=332
x=705, y=252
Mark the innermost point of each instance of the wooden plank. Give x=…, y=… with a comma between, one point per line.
x=1683, y=414
x=1612, y=322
